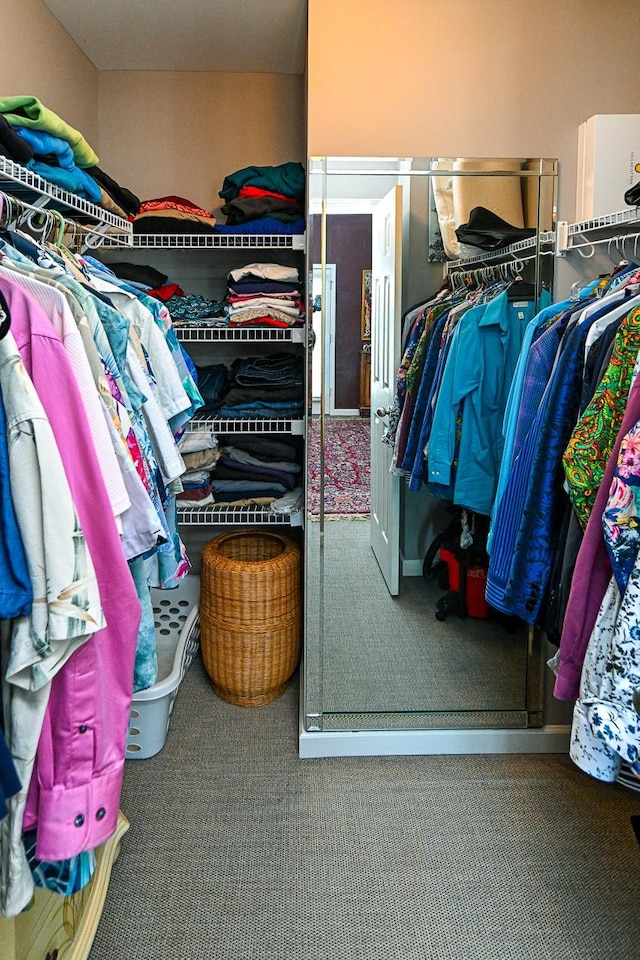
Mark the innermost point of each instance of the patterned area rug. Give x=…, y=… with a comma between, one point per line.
x=346, y=466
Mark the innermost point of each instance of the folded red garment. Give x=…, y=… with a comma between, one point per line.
x=259, y=192
x=173, y=203
x=167, y=291
x=200, y=493
x=261, y=322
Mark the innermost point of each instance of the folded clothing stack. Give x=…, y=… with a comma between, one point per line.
x=172, y=215
x=263, y=387
x=37, y=138
x=264, y=200
x=264, y=294
x=249, y=471
x=199, y=450
x=256, y=470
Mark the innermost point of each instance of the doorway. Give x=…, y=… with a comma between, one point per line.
x=323, y=368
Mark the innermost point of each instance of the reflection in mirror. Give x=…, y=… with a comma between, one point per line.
x=399, y=635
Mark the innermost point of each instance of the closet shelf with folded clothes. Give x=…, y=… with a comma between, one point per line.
x=229, y=425
x=217, y=241
x=31, y=188
x=245, y=450
x=197, y=333
x=221, y=515
x=239, y=319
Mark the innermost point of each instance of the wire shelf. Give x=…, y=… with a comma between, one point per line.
x=218, y=241
x=621, y=217
x=194, y=516
x=24, y=184
x=257, y=425
x=546, y=237
x=201, y=333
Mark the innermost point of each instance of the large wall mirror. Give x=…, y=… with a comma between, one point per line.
x=387, y=238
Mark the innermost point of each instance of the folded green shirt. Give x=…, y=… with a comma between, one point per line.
x=29, y=112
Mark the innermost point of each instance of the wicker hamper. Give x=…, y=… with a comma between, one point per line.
x=250, y=615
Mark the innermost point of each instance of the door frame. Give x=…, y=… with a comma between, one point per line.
x=327, y=348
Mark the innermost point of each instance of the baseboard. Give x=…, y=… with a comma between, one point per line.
x=411, y=568
x=379, y=743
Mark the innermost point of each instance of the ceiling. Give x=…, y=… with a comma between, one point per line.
x=231, y=36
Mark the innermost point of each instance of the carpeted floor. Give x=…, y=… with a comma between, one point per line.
x=346, y=466
x=390, y=654
x=238, y=850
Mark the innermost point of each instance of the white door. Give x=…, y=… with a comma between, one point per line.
x=386, y=288
x=323, y=359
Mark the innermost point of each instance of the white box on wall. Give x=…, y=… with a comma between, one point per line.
x=608, y=163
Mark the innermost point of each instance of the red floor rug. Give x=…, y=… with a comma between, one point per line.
x=347, y=458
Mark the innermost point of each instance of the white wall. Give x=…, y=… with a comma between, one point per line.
x=468, y=77
x=38, y=58
x=181, y=133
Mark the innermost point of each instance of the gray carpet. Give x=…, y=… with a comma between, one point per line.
x=238, y=850
x=386, y=654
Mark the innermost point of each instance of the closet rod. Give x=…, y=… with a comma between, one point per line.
x=508, y=270
x=432, y=173
x=617, y=242
x=14, y=211
x=547, y=237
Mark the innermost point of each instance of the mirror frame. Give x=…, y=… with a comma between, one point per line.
x=314, y=719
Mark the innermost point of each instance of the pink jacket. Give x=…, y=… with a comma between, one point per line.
x=75, y=791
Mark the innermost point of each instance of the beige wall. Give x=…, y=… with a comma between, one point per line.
x=38, y=58
x=468, y=77
x=180, y=133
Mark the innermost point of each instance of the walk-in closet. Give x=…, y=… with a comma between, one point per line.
x=318, y=358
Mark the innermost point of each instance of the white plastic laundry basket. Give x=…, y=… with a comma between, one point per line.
x=177, y=623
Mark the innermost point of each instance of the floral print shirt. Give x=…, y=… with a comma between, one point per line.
x=606, y=727
x=620, y=519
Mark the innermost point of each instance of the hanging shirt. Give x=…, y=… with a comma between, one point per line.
x=15, y=586
x=57, y=309
x=477, y=381
x=527, y=518
x=589, y=448
x=140, y=525
x=520, y=393
x=591, y=575
x=621, y=518
x=67, y=608
x=606, y=728
x=75, y=792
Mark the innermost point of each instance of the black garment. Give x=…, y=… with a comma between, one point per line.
x=266, y=448
x=125, y=199
x=632, y=195
x=242, y=493
x=139, y=273
x=170, y=225
x=266, y=393
x=12, y=145
x=570, y=534
x=225, y=469
x=240, y=287
x=597, y=362
x=488, y=231
x=212, y=383
x=243, y=209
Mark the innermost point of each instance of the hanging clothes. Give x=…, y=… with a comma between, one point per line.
x=451, y=391
x=95, y=393
x=533, y=502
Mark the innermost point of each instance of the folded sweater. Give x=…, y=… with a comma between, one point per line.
x=25, y=111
